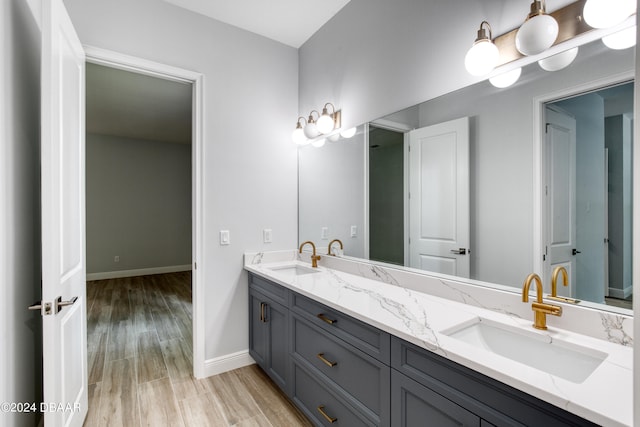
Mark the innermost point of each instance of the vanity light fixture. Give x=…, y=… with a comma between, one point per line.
x=558, y=61
x=538, y=33
x=506, y=79
x=483, y=56
x=608, y=13
x=318, y=142
x=623, y=39
x=327, y=122
x=348, y=133
x=311, y=129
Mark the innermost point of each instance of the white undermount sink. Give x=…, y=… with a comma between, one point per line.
x=559, y=358
x=293, y=270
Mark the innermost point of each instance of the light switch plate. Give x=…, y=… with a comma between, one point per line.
x=267, y=235
x=354, y=231
x=224, y=237
x=324, y=233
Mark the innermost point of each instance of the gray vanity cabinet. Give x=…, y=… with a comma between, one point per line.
x=269, y=334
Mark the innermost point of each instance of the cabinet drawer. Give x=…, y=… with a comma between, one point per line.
x=359, y=375
x=315, y=399
x=365, y=337
x=273, y=290
x=492, y=400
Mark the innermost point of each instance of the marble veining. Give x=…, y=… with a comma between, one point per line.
x=418, y=307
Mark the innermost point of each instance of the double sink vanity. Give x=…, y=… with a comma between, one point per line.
x=353, y=342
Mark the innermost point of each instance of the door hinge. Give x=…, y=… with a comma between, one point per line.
x=546, y=128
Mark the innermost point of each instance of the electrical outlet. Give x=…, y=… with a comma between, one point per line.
x=116, y=258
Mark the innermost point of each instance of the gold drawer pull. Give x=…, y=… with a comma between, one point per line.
x=325, y=361
x=324, y=414
x=263, y=312
x=321, y=316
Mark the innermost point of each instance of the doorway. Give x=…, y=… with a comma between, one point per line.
x=588, y=189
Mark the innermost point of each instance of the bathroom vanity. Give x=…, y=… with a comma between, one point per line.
x=352, y=350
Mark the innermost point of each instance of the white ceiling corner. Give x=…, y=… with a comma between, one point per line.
x=291, y=22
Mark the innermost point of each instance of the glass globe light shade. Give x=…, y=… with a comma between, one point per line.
x=607, y=13
x=334, y=138
x=559, y=61
x=325, y=123
x=536, y=35
x=623, y=39
x=348, y=133
x=506, y=79
x=482, y=58
x=311, y=130
x=319, y=142
x=298, y=136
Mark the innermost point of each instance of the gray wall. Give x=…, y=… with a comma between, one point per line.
x=20, y=330
x=250, y=97
x=138, y=204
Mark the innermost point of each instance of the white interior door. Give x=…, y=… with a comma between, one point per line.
x=63, y=219
x=439, y=230
x=561, y=197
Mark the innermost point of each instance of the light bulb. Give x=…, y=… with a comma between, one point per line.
x=482, y=58
x=325, y=123
x=536, y=35
x=623, y=39
x=607, y=13
x=348, y=133
x=506, y=79
x=311, y=130
x=298, y=136
x=319, y=142
x=559, y=61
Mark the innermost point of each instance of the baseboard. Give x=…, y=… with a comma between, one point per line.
x=227, y=362
x=621, y=293
x=139, y=272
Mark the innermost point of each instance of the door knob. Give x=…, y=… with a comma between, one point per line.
x=575, y=251
x=461, y=251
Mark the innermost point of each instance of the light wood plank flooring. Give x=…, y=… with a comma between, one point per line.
x=140, y=363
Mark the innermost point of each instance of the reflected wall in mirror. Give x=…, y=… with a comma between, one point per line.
x=506, y=223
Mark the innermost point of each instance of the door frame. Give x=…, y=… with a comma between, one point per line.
x=137, y=65
x=539, y=124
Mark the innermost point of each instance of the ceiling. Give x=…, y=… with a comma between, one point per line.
x=125, y=104
x=291, y=22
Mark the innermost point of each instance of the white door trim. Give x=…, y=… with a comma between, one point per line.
x=538, y=154
x=121, y=61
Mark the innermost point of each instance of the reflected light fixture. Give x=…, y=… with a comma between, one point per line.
x=311, y=129
x=607, y=13
x=506, y=79
x=319, y=142
x=348, y=133
x=558, y=61
x=298, y=135
x=327, y=122
x=539, y=31
x=623, y=39
x=483, y=56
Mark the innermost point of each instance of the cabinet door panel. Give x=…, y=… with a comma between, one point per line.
x=277, y=321
x=413, y=405
x=258, y=333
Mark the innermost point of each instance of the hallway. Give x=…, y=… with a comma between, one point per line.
x=140, y=363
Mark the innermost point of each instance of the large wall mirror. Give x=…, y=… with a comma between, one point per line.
x=542, y=179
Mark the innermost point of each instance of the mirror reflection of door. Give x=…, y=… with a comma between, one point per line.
x=439, y=212
x=600, y=256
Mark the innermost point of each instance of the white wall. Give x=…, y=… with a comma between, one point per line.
x=138, y=204
x=20, y=330
x=249, y=161
x=331, y=193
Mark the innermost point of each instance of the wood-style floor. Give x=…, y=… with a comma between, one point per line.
x=140, y=363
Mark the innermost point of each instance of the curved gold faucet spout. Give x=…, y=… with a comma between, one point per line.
x=314, y=257
x=554, y=279
x=527, y=284
x=331, y=243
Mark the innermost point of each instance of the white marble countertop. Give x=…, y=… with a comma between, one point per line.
x=604, y=397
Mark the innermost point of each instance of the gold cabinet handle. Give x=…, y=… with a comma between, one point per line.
x=325, y=415
x=321, y=316
x=263, y=317
x=325, y=361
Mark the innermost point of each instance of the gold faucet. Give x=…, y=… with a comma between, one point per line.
x=540, y=309
x=331, y=243
x=565, y=281
x=314, y=257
